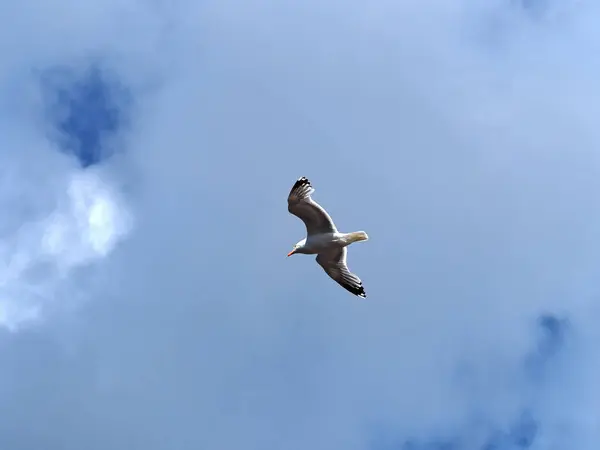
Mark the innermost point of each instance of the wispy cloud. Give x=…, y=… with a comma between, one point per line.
x=84, y=225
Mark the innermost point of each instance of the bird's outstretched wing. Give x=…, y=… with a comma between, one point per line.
x=334, y=264
x=313, y=215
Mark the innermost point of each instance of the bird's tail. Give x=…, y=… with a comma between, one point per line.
x=357, y=236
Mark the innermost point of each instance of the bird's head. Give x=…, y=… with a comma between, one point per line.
x=297, y=246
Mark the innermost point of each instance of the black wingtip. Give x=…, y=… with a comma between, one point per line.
x=302, y=181
x=359, y=291
x=301, y=188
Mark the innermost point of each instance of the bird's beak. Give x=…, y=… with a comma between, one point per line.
x=292, y=252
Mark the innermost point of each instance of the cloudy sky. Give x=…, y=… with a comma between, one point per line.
x=147, y=149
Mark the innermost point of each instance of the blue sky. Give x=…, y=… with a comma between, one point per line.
x=147, y=152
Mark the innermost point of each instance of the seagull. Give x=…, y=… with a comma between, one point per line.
x=323, y=238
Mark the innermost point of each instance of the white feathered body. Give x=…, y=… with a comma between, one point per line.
x=320, y=243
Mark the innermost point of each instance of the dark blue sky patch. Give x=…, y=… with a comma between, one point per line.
x=552, y=333
x=552, y=330
x=524, y=431
x=85, y=109
x=533, y=6
x=431, y=445
x=521, y=435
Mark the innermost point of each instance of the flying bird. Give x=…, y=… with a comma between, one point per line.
x=323, y=238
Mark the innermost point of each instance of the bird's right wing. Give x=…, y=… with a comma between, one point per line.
x=334, y=264
x=313, y=215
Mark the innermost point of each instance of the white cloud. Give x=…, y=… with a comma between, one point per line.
x=42, y=253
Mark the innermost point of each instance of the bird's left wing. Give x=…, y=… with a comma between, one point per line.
x=313, y=215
